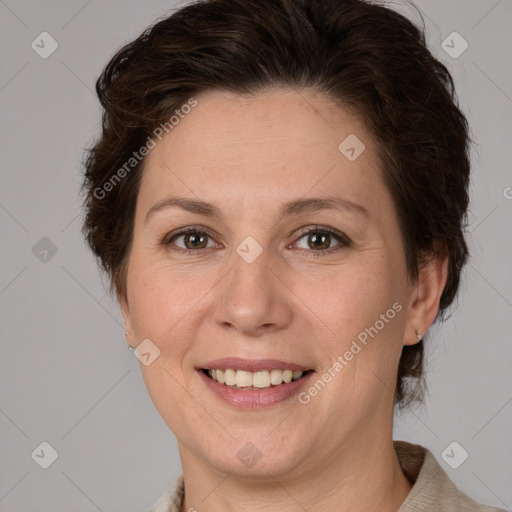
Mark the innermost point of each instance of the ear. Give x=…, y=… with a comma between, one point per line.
x=125, y=310
x=424, y=299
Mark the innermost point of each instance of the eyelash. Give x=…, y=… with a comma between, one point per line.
x=342, y=238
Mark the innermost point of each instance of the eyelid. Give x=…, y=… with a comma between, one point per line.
x=186, y=230
x=344, y=240
x=317, y=227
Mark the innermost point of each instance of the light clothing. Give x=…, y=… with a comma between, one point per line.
x=432, y=490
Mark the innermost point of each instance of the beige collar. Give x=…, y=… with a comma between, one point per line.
x=432, y=488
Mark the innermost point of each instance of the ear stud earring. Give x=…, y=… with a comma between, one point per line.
x=126, y=336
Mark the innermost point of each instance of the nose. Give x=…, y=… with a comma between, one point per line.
x=253, y=298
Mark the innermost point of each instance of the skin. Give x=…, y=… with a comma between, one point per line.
x=249, y=155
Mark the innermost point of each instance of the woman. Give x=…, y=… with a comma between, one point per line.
x=278, y=198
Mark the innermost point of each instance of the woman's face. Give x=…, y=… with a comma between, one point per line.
x=250, y=286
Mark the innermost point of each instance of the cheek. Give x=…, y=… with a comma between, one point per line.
x=162, y=309
x=351, y=297
x=159, y=296
x=362, y=306
x=159, y=303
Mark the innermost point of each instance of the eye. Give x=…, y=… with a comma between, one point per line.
x=192, y=239
x=319, y=240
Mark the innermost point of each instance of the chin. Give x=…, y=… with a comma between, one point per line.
x=255, y=455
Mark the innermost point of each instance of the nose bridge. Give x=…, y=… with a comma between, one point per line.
x=250, y=296
x=250, y=275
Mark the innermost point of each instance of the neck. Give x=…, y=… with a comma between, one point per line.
x=350, y=479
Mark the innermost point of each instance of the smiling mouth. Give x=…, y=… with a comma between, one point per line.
x=266, y=379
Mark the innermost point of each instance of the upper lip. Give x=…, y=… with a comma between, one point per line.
x=252, y=365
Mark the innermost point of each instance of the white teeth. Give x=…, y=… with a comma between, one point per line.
x=276, y=377
x=230, y=377
x=261, y=379
x=256, y=380
x=243, y=379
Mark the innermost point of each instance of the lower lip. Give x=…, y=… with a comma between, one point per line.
x=251, y=398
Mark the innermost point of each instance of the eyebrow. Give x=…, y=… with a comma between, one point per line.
x=295, y=207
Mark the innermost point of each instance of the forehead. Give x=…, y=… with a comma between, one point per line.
x=281, y=143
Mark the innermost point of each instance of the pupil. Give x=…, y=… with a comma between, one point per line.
x=323, y=239
x=195, y=240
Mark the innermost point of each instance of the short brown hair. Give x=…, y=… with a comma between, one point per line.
x=361, y=54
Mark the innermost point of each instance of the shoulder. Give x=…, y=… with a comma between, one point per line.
x=432, y=488
x=171, y=500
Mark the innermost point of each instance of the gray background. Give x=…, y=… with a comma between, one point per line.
x=66, y=375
